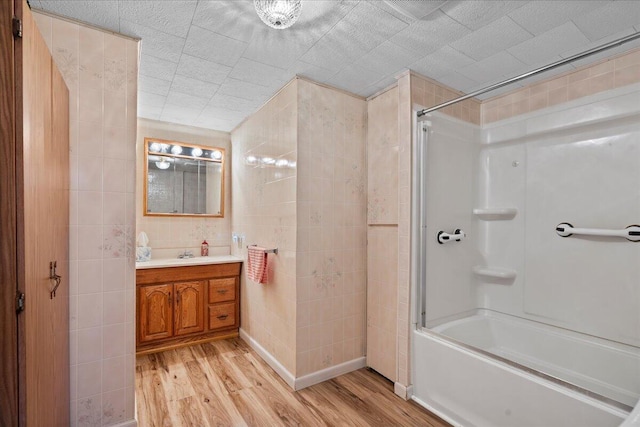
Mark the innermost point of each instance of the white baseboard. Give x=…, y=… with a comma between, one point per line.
x=268, y=357
x=130, y=423
x=330, y=372
x=305, y=380
x=403, y=391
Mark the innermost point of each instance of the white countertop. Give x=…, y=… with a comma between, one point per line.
x=177, y=262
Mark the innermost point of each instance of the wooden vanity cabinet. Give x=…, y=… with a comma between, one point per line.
x=179, y=306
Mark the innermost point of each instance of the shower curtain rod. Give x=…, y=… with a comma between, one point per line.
x=547, y=67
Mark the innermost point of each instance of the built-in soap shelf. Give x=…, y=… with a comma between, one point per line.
x=494, y=273
x=495, y=214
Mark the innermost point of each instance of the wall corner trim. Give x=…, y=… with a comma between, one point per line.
x=329, y=373
x=404, y=391
x=305, y=380
x=269, y=358
x=130, y=423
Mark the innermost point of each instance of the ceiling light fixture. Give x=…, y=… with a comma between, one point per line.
x=163, y=164
x=278, y=14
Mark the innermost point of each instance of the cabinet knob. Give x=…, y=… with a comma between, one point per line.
x=222, y=291
x=169, y=297
x=223, y=316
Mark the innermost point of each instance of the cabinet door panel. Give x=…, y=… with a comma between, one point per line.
x=189, y=307
x=156, y=312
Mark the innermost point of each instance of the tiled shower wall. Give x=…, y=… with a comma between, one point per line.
x=610, y=73
x=101, y=72
x=331, y=230
x=169, y=236
x=264, y=211
x=382, y=232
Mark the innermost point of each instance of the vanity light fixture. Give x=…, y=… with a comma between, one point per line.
x=278, y=14
x=176, y=149
x=196, y=152
x=155, y=147
x=216, y=154
x=282, y=163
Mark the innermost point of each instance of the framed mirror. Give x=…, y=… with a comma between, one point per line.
x=183, y=179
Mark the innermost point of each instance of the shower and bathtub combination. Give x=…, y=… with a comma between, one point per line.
x=526, y=265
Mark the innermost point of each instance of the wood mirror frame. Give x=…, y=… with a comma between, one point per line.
x=162, y=153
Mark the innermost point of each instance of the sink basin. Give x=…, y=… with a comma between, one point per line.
x=181, y=262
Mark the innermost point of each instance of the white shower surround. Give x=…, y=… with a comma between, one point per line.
x=540, y=164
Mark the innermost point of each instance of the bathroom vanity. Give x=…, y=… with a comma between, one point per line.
x=182, y=302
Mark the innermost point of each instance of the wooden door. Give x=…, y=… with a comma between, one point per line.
x=189, y=307
x=155, y=312
x=8, y=242
x=42, y=221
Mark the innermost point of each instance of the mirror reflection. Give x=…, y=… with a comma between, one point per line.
x=183, y=179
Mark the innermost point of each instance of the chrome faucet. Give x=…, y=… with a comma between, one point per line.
x=186, y=254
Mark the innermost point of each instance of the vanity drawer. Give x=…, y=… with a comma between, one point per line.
x=221, y=290
x=222, y=315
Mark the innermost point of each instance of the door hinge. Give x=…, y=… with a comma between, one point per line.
x=20, y=303
x=17, y=28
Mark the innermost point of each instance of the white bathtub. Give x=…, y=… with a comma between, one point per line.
x=491, y=369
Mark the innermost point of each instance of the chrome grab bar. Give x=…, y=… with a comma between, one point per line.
x=631, y=233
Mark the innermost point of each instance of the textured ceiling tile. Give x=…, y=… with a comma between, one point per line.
x=154, y=42
x=494, y=68
x=244, y=90
x=499, y=35
x=477, y=14
x=212, y=123
x=387, y=59
x=150, y=99
x=103, y=14
x=234, y=19
x=457, y=81
x=153, y=85
x=605, y=54
x=177, y=114
x=441, y=62
x=232, y=103
x=309, y=71
x=193, y=87
x=213, y=47
x=408, y=10
x=543, y=48
x=609, y=19
x=354, y=78
x=169, y=16
x=543, y=15
x=430, y=34
x=156, y=67
x=201, y=69
x=180, y=99
x=377, y=21
x=221, y=114
x=257, y=73
x=152, y=113
x=323, y=55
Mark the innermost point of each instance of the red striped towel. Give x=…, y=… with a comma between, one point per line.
x=257, y=264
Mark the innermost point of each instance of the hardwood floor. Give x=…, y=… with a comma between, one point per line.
x=225, y=383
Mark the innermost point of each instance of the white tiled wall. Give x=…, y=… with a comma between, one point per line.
x=100, y=70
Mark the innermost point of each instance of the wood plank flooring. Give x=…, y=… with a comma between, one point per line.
x=225, y=383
